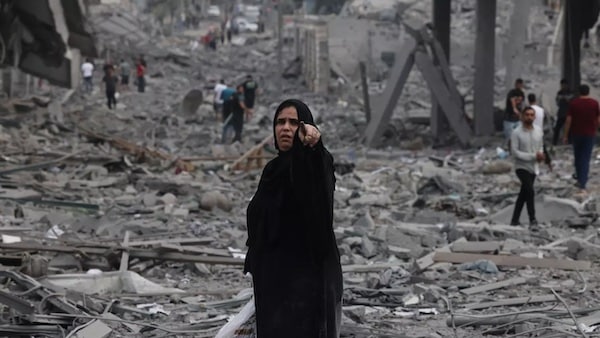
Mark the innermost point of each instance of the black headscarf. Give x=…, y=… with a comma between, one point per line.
x=304, y=115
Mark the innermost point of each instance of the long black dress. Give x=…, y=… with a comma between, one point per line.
x=292, y=255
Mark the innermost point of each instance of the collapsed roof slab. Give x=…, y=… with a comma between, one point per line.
x=48, y=29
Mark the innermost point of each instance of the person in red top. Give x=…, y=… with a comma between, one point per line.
x=141, y=71
x=583, y=118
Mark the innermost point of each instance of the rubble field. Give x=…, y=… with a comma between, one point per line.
x=131, y=222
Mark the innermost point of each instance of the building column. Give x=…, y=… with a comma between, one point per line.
x=485, y=67
x=573, y=31
x=441, y=30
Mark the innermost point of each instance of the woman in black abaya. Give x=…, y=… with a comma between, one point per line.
x=292, y=254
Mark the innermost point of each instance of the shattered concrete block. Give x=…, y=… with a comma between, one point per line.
x=368, y=248
x=365, y=224
x=355, y=313
x=215, y=199
x=150, y=199
x=168, y=198
x=180, y=212
x=497, y=167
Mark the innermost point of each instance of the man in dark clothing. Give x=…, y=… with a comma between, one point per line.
x=236, y=118
x=250, y=88
x=583, y=117
x=108, y=65
x=563, y=97
x=110, y=81
x=512, y=111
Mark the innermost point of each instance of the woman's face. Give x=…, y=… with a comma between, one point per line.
x=285, y=128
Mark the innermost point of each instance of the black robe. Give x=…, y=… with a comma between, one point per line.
x=292, y=255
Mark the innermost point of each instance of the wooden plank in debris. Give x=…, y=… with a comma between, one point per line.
x=125, y=254
x=193, y=249
x=182, y=241
x=246, y=161
x=511, y=302
x=427, y=260
x=514, y=261
x=139, y=152
x=133, y=253
x=36, y=166
x=477, y=247
x=494, y=286
x=375, y=267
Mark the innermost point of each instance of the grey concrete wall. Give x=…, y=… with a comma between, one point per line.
x=353, y=40
x=314, y=50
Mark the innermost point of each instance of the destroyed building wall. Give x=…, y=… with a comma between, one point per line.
x=352, y=40
x=314, y=51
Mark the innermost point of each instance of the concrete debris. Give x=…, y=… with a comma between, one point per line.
x=131, y=221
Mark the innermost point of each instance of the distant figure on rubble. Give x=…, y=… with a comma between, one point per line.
x=110, y=82
x=217, y=100
x=235, y=120
x=140, y=73
x=250, y=89
x=108, y=65
x=527, y=141
x=125, y=70
x=563, y=97
x=292, y=251
x=583, y=118
x=212, y=39
x=539, y=122
x=512, y=112
x=87, y=71
x=539, y=111
x=223, y=30
x=226, y=95
x=142, y=60
x=228, y=30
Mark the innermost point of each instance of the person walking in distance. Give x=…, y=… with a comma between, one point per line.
x=539, y=122
x=110, y=81
x=217, y=100
x=583, y=117
x=512, y=111
x=527, y=149
x=539, y=111
x=563, y=97
x=250, y=91
x=87, y=70
x=141, y=72
x=125, y=71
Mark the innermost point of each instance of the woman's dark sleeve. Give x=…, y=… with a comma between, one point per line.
x=313, y=184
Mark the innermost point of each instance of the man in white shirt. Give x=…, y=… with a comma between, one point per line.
x=217, y=100
x=87, y=70
x=539, y=111
x=539, y=122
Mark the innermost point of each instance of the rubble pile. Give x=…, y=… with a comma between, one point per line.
x=131, y=221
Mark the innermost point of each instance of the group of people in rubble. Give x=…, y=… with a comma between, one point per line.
x=111, y=81
x=214, y=34
x=578, y=118
x=233, y=105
